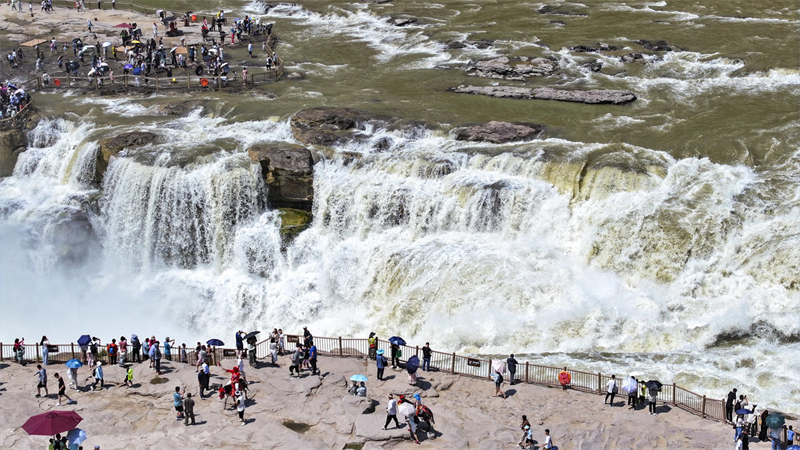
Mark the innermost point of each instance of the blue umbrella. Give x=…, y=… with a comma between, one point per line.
x=128, y=66
x=412, y=364
x=743, y=411
x=137, y=71
x=397, y=340
x=793, y=447
x=74, y=364
x=76, y=436
x=84, y=340
x=775, y=421
x=358, y=377
x=379, y=352
x=215, y=342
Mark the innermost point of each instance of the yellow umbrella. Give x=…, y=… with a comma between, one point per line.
x=135, y=42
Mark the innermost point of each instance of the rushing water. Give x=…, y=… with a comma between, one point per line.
x=659, y=237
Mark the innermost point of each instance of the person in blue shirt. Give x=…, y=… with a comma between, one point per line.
x=789, y=436
x=380, y=362
x=312, y=356
x=177, y=400
x=168, y=343
x=239, y=343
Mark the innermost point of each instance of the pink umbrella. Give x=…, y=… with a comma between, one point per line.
x=53, y=422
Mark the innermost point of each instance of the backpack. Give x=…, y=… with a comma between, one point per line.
x=111, y=350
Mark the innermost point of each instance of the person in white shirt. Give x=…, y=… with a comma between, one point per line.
x=391, y=413
x=548, y=440
x=240, y=407
x=611, y=390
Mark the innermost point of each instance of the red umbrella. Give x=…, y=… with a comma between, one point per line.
x=52, y=422
x=123, y=25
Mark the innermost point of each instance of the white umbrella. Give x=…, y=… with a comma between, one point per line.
x=630, y=386
x=76, y=436
x=499, y=365
x=87, y=47
x=407, y=409
x=106, y=44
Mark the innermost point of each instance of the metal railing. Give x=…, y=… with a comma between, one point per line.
x=671, y=394
x=12, y=121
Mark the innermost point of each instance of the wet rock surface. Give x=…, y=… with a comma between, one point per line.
x=111, y=146
x=332, y=126
x=592, y=96
x=657, y=46
x=289, y=172
x=512, y=68
x=499, y=132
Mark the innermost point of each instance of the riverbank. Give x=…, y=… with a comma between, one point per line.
x=316, y=412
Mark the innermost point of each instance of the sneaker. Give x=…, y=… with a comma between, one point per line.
x=71, y=402
x=37, y=395
x=416, y=442
x=244, y=423
x=383, y=428
x=605, y=402
x=58, y=404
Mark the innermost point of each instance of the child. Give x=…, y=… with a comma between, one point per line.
x=178, y=402
x=62, y=390
x=129, y=377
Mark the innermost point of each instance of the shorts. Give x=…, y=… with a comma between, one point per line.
x=179, y=408
x=42, y=385
x=62, y=391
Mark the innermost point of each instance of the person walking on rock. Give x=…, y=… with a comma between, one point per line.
x=188, y=406
x=391, y=413
x=611, y=390
x=525, y=426
x=548, y=440
x=498, y=383
x=98, y=375
x=42, y=374
x=62, y=391
x=129, y=377
x=203, y=377
x=240, y=407
x=297, y=358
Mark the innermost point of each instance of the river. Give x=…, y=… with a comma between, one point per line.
x=658, y=238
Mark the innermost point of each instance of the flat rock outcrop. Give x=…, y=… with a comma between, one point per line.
x=479, y=44
x=512, y=68
x=289, y=173
x=331, y=126
x=13, y=141
x=657, y=46
x=499, y=132
x=112, y=146
x=591, y=96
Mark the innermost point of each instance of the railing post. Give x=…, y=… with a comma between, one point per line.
x=673, y=394
x=39, y=82
x=1, y=351
x=157, y=86
x=188, y=81
x=37, y=351
x=490, y=368
x=72, y=346
x=69, y=80
x=341, y=353
x=453, y=365
x=599, y=383
x=219, y=83
x=703, y=412
x=417, y=352
x=527, y=364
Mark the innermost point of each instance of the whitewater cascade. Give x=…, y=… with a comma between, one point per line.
x=550, y=246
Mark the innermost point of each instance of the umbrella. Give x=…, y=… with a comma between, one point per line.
x=136, y=42
x=137, y=71
x=407, y=409
x=76, y=436
x=85, y=339
x=793, y=447
x=128, y=66
x=653, y=384
x=77, y=40
x=499, y=366
x=88, y=47
x=412, y=364
x=358, y=377
x=380, y=352
x=106, y=44
x=775, y=421
x=215, y=342
x=53, y=422
x=397, y=340
x=123, y=25
x=73, y=363
x=251, y=334
x=743, y=411
x=630, y=385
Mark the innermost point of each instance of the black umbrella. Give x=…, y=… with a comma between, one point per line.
x=74, y=65
x=654, y=384
x=77, y=40
x=251, y=334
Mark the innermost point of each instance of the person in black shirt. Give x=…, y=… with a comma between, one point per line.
x=729, y=405
x=512, y=367
x=426, y=357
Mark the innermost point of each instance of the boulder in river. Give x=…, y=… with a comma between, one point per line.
x=499, y=132
x=591, y=96
x=600, y=47
x=111, y=146
x=560, y=11
x=512, y=69
x=181, y=109
x=632, y=57
x=657, y=46
x=401, y=21
x=331, y=126
x=480, y=44
x=288, y=171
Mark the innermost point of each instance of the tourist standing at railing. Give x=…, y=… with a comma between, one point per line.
x=307, y=337
x=395, y=355
x=136, y=346
x=642, y=393
x=203, y=377
x=184, y=355
x=273, y=350
x=426, y=357
x=611, y=390
x=511, y=362
x=372, y=340
x=168, y=343
x=201, y=357
x=123, y=351
x=45, y=344
x=281, y=347
x=239, y=336
x=112, y=350
x=729, y=405
x=92, y=354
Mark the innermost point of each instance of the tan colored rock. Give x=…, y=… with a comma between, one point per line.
x=112, y=146
x=289, y=173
